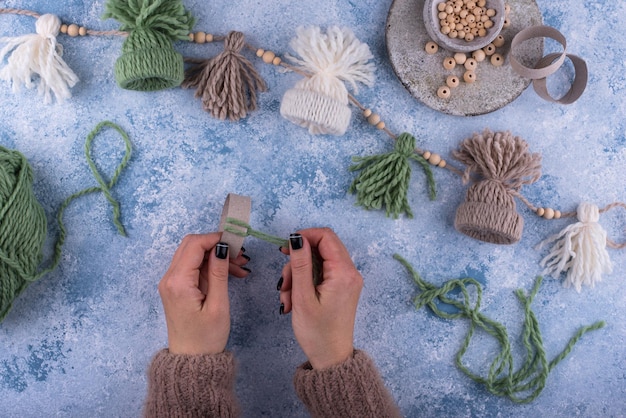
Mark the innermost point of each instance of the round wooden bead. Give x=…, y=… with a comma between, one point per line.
x=497, y=60
x=507, y=22
x=548, y=213
x=541, y=211
x=442, y=164
x=434, y=159
x=63, y=28
x=426, y=155
x=479, y=55
x=260, y=52
x=82, y=31
x=268, y=57
x=449, y=63
x=373, y=119
x=489, y=49
x=499, y=41
x=72, y=30
x=557, y=214
x=431, y=47
x=380, y=125
x=367, y=113
x=469, y=37
x=277, y=61
x=460, y=58
x=441, y=7
x=443, y=92
x=469, y=76
x=199, y=37
x=471, y=64
x=452, y=81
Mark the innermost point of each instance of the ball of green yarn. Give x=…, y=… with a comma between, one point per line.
x=23, y=228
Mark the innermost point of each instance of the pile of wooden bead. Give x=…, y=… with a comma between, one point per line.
x=465, y=19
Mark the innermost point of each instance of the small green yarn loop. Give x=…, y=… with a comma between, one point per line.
x=23, y=226
x=281, y=242
x=384, y=179
x=521, y=386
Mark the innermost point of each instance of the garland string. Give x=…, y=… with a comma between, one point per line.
x=521, y=386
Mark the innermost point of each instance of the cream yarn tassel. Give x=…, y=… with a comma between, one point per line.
x=579, y=250
x=319, y=102
x=39, y=54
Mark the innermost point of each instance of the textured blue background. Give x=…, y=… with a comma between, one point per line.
x=77, y=343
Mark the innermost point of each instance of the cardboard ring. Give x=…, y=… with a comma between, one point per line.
x=578, y=85
x=236, y=207
x=539, y=71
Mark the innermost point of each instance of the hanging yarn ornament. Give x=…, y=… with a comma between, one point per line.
x=522, y=385
x=384, y=179
x=39, y=55
x=226, y=83
x=23, y=226
x=149, y=61
x=503, y=164
x=320, y=102
x=579, y=250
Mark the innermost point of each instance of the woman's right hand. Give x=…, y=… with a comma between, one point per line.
x=322, y=316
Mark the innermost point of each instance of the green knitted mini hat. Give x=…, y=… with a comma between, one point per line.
x=149, y=61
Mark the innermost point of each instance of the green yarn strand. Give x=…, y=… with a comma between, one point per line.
x=23, y=227
x=521, y=386
x=384, y=179
x=168, y=17
x=253, y=233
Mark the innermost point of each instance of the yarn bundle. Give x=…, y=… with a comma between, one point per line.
x=503, y=165
x=23, y=226
x=149, y=61
x=38, y=55
x=320, y=102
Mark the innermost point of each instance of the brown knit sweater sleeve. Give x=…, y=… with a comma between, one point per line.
x=191, y=386
x=353, y=388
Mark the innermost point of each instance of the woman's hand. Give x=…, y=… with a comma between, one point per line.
x=322, y=316
x=194, y=292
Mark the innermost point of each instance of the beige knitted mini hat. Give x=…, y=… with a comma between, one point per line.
x=319, y=102
x=503, y=164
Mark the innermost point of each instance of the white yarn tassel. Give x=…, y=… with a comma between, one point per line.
x=39, y=54
x=331, y=58
x=579, y=250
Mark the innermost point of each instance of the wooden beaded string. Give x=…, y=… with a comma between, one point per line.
x=372, y=118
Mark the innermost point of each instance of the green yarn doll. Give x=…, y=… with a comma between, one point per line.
x=149, y=61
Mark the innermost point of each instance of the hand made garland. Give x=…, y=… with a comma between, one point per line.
x=228, y=83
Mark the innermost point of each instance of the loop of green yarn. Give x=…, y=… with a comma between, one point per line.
x=384, y=181
x=23, y=226
x=522, y=385
x=149, y=61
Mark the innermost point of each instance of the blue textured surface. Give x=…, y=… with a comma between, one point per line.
x=77, y=343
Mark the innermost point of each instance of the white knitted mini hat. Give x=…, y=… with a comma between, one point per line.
x=320, y=102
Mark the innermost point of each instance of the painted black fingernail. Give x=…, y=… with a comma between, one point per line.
x=296, y=241
x=246, y=269
x=280, y=284
x=243, y=249
x=246, y=257
x=221, y=250
x=281, y=311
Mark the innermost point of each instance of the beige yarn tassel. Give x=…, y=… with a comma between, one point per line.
x=226, y=83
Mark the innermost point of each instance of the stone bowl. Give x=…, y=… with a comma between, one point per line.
x=433, y=28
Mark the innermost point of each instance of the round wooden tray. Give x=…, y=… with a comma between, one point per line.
x=422, y=74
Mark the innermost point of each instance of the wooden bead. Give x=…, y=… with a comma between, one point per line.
x=63, y=28
x=449, y=63
x=277, y=61
x=469, y=76
x=441, y=7
x=548, y=213
x=460, y=58
x=452, y=81
x=491, y=12
x=199, y=37
x=507, y=22
x=507, y=9
x=489, y=49
x=367, y=113
x=373, y=119
x=442, y=164
x=431, y=47
x=469, y=37
x=497, y=60
x=434, y=159
x=260, y=52
x=541, y=211
x=380, y=125
x=471, y=64
x=190, y=36
x=499, y=41
x=268, y=57
x=479, y=55
x=557, y=214
x=426, y=155
x=443, y=92
x=72, y=30
x=82, y=31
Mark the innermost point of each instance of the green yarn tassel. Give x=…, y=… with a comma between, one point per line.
x=148, y=61
x=521, y=386
x=384, y=180
x=23, y=227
